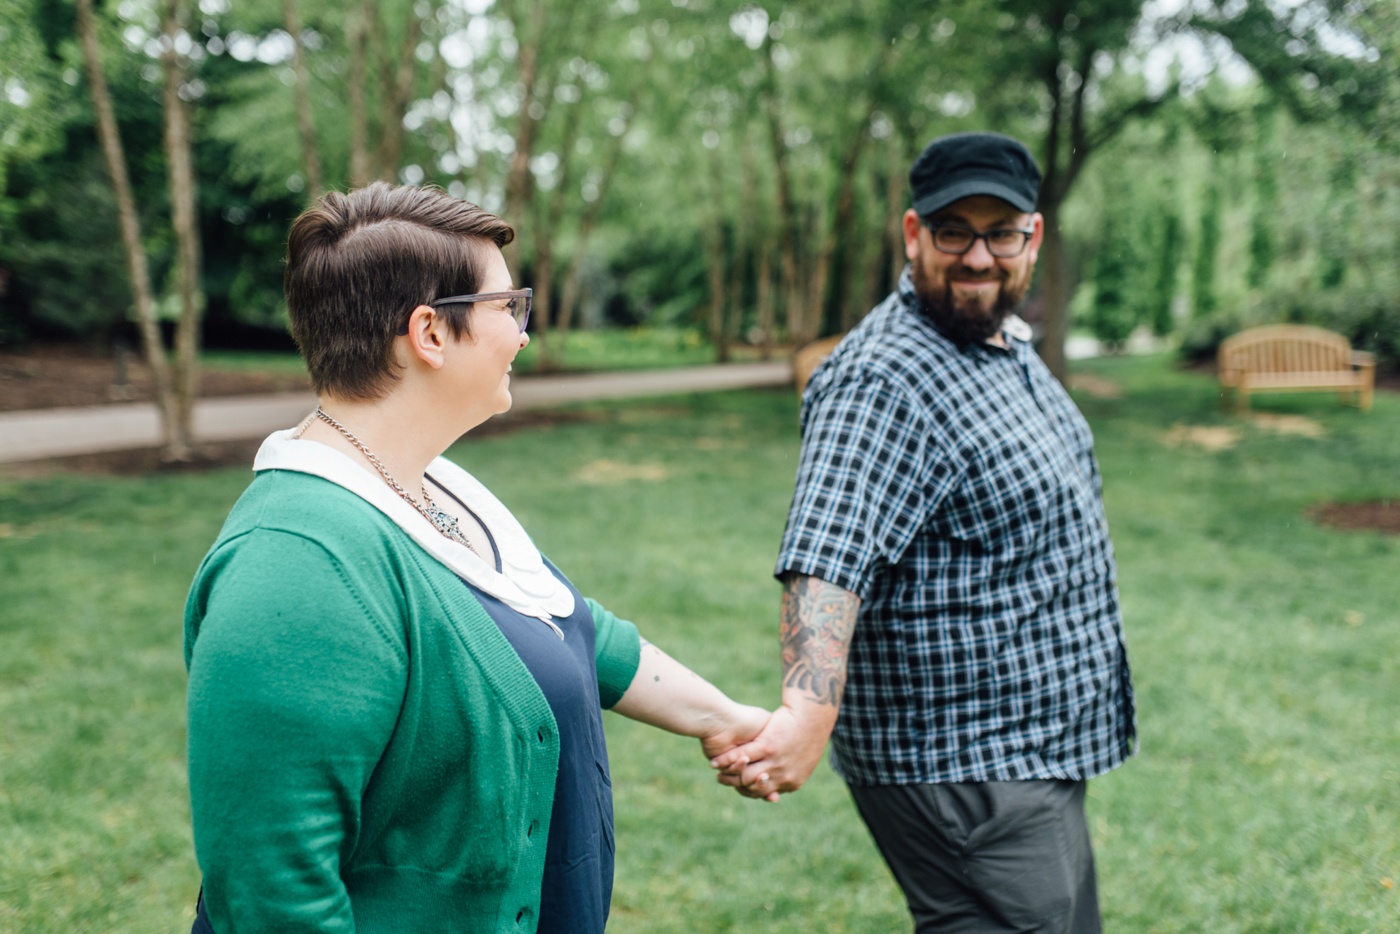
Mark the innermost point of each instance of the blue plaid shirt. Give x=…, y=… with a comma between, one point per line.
x=954, y=490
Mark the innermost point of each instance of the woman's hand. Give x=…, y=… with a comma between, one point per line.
x=667, y=694
x=781, y=758
x=740, y=726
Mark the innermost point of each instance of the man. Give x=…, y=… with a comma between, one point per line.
x=949, y=586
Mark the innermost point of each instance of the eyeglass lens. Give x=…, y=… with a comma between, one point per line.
x=519, y=307
x=1004, y=243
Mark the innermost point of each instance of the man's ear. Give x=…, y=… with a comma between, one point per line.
x=1033, y=247
x=428, y=334
x=912, y=224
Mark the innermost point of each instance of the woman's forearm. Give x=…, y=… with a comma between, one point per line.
x=666, y=694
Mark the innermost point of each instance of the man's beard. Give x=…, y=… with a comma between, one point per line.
x=969, y=322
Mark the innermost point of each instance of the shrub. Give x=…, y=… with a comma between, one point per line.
x=1369, y=318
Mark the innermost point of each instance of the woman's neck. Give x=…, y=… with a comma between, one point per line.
x=400, y=438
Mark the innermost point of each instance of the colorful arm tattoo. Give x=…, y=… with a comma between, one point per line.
x=818, y=620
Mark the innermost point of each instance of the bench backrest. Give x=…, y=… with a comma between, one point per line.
x=1285, y=348
x=808, y=356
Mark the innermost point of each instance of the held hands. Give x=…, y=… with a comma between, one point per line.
x=778, y=760
x=741, y=726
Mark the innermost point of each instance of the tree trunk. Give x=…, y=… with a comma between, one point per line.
x=306, y=124
x=358, y=39
x=1053, y=266
x=179, y=158
x=764, y=299
x=573, y=284
x=519, y=185
x=840, y=227
x=542, y=278
x=894, y=211
x=787, y=218
x=542, y=281
x=396, y=95
x=1067, y=149
x=130, y=227
x=546, y=221
x=715, y=257
x=743, y=225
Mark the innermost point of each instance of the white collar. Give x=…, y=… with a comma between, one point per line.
x=525, y=583
x=1015, y=326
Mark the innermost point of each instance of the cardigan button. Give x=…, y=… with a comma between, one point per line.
x=530, y=831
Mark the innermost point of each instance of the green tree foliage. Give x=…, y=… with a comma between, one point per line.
x=1168, y=264
x=737, y=162
x=60, y=259
x=1204, y=295
x=1262, y=238
x=1335, y=251
x=1116, y=304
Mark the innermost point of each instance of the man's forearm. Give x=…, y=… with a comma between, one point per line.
x=817, y=624
x=818, y=621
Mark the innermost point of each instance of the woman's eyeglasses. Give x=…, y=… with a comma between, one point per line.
x=518, y=304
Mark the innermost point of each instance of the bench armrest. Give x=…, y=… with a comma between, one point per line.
x=1363, y=358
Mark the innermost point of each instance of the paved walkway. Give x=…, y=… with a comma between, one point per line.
x=34, y=435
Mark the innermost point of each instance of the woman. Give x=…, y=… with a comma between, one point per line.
x=394, y=699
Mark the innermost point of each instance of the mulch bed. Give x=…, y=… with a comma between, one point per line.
x=54, y=376
x=1375, y=516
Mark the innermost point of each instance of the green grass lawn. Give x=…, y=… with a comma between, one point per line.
x=1266, y=796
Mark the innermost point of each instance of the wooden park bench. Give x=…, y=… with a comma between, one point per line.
x=805, y=360
x=1294, y=358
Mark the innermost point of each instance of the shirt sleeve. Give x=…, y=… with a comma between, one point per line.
x=863, y=484
x=617, y=653
x=294, y=692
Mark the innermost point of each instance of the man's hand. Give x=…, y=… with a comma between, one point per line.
x=818, y=622
x=744, y=725
x=782, y=757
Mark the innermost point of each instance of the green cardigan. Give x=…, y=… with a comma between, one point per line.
x=366, y=750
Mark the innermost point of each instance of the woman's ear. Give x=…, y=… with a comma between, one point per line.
x=428, y=334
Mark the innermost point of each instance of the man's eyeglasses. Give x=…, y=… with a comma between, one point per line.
x=1004, y=242
x=518, y=304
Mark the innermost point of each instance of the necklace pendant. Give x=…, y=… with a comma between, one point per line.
x=446, y=524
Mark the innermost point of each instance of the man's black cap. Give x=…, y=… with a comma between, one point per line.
x=965, y=164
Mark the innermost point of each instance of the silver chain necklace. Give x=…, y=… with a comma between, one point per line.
x=442, y=521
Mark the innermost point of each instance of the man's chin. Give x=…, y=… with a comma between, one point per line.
x=963, y=322
x=966, y=330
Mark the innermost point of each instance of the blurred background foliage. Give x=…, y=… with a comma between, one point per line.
x=731, y=166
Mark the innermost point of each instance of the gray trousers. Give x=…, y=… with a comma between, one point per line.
x=987, y=856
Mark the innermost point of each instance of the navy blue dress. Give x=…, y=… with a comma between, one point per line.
x=578, y=866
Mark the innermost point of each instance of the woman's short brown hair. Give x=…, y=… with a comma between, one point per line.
x=359, y=263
